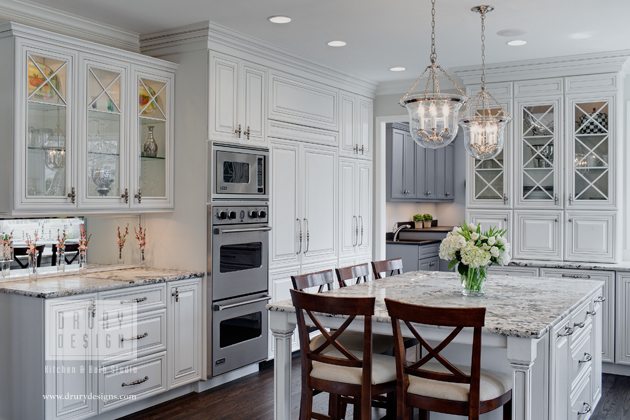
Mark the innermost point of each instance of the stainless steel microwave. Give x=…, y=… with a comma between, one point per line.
x=240, y=172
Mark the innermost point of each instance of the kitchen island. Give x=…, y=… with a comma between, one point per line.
x=546, y=332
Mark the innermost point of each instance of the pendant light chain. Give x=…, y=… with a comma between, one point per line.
x=433, y=55
x=483, y=58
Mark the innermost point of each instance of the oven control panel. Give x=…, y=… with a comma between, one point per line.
x=238, y=215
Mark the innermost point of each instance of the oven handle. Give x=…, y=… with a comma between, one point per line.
x=236, y=305
x=242, y=230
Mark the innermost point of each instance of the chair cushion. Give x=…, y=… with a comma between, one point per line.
x=353, y=340
x=383, y=369
x=493, y=385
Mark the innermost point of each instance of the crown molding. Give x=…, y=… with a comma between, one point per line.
x=400, y=87
x=210, y=35
x=44, y=17
x=570, y=65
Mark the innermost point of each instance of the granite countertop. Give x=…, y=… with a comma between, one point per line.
x=515, y=306
x=92, y=281
x=622, y=266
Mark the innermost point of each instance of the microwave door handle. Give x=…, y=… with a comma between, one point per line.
x=244, y=230
x=236, y=305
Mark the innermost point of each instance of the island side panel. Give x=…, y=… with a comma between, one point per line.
x=282, y=325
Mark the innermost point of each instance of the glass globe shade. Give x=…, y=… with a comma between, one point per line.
x=484, y=136
x=433, y=118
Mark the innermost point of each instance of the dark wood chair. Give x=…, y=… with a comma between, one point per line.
x=71, y=254
x=439, y=385
x=356, y=273
x=21, y=252
x=323, y=280
x=331, y=367
x=387, y=267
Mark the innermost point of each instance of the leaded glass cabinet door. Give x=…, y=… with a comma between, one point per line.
x=538, y=132
x=46, y=134
x=491, y=179
x=103, y=147
x=590, y=161
x=153, y=143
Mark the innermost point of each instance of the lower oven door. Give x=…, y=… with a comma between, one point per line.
x=239, y=260
x=239, y=333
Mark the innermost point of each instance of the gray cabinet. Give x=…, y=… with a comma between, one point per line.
x=417, y=257
x=429, y=264
x=415, y=173
x=408, y=253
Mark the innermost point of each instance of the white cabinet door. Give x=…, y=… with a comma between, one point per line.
x=286, y=212
x=252, y=105
x=622, y=350
x=348, y=211
x=319, y=166
x=538, y=235
x=364, y=207
x=489, y=218
x=224, y=97
x=68, y=320
x=607, y=307
x=590, y=236
x=365, y=124
x=184, y=331
x=348, y=144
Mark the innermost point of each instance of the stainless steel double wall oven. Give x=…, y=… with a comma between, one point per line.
x=238, y=257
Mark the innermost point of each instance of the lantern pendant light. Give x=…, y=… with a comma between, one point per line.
x=485, y=120
x=433, y=115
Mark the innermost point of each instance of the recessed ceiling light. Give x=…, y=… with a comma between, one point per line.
x=279, y=19
x=511, y=32
x=397, y=68
x=516, y=43
x=337, y=44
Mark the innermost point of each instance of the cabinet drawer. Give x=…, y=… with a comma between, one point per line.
x=581, y=356
x=141, y=378
x=581, y=399
x=148, y=335
x=147, y=298
x=428, y=251
x=514, y=271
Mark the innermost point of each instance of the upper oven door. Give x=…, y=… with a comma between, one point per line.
x=239, y=260
x=240, y=173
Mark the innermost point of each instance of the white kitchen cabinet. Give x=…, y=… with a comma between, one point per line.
x=237, y=100
x=514, y=271
x=538, y=235
x=184, y=332
x=607, y=307
x=304, y=205
x=67, y=320
x=304, y=102
x=488, y=218
x=355, y=209
x=560, y=370
x=590, y=235
x=365, y=124
x=356, y=126
x=622, y=321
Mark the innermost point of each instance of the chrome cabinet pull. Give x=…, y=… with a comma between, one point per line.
x=138, y=196
x=175, y=294
x=136, y=300
x=137, y=337
x=362, y=150
x=125, y=195
x=136, y=382
x=570, y=198
x=591, y=313
x=236, y=305
x=361, y=221
x=299, y=236
x=577, y=276
x=243, y=230
x=247, y=133
x=308, y=235
x=72, y=195
x=579, y=324
x=238, y=131
x=355, y=228
x=586, y=408
x=600, y=299
x=587, y=358
x=567, y=332
x=355, y=149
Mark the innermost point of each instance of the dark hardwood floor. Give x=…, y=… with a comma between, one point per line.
x=251, y=398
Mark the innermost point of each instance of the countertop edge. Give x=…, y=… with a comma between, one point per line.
x=568, y=265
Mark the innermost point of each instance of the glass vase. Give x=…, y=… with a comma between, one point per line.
x=5, y=261
x=143, y=261
x=32, y=265
x=150, y=146
x=61, y=260
x=473, y=280
x=82, y=261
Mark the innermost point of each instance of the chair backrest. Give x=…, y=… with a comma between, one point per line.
x=307, y=304
x=388, y=267
x=458, y=318
x=320, y=279
x=358, y=273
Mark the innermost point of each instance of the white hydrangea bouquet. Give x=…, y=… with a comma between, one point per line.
x=472, y=252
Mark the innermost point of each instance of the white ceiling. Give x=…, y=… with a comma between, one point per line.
x=385, y=33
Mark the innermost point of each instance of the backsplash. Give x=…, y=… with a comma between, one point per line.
x=447, y=214
x=46, y=229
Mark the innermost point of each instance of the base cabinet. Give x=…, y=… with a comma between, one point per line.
x=623, y=319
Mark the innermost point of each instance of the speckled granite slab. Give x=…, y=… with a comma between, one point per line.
x=91, y=282
x=515, y=306
x=622, y=266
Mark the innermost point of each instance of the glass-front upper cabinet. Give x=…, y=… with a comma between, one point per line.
x=47, y=159
x=590, y=156
x=491, y=182
x=154, y=147
x=103, y=163
x=538, y=146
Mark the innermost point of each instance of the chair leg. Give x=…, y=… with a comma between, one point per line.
x=306, y=404
x=425, y=415
x=366, y=407
x=409, y=415
x=507, y=410
x=391, y=406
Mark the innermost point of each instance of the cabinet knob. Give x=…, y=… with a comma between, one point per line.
x=125, y=195
x=247, y=132
x=175, y=294
x=72, y=195
x=428, y=193
x=570, y=198
x=446, y=194
x=355, y=148
x=238, y=131
x=362, y=149
x=138, y=196
x=505, y=198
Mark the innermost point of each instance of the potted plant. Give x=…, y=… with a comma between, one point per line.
x=427, y=219
x=472, y=251
x=418, y=219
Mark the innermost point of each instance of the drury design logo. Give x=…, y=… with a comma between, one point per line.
x=93, y=329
